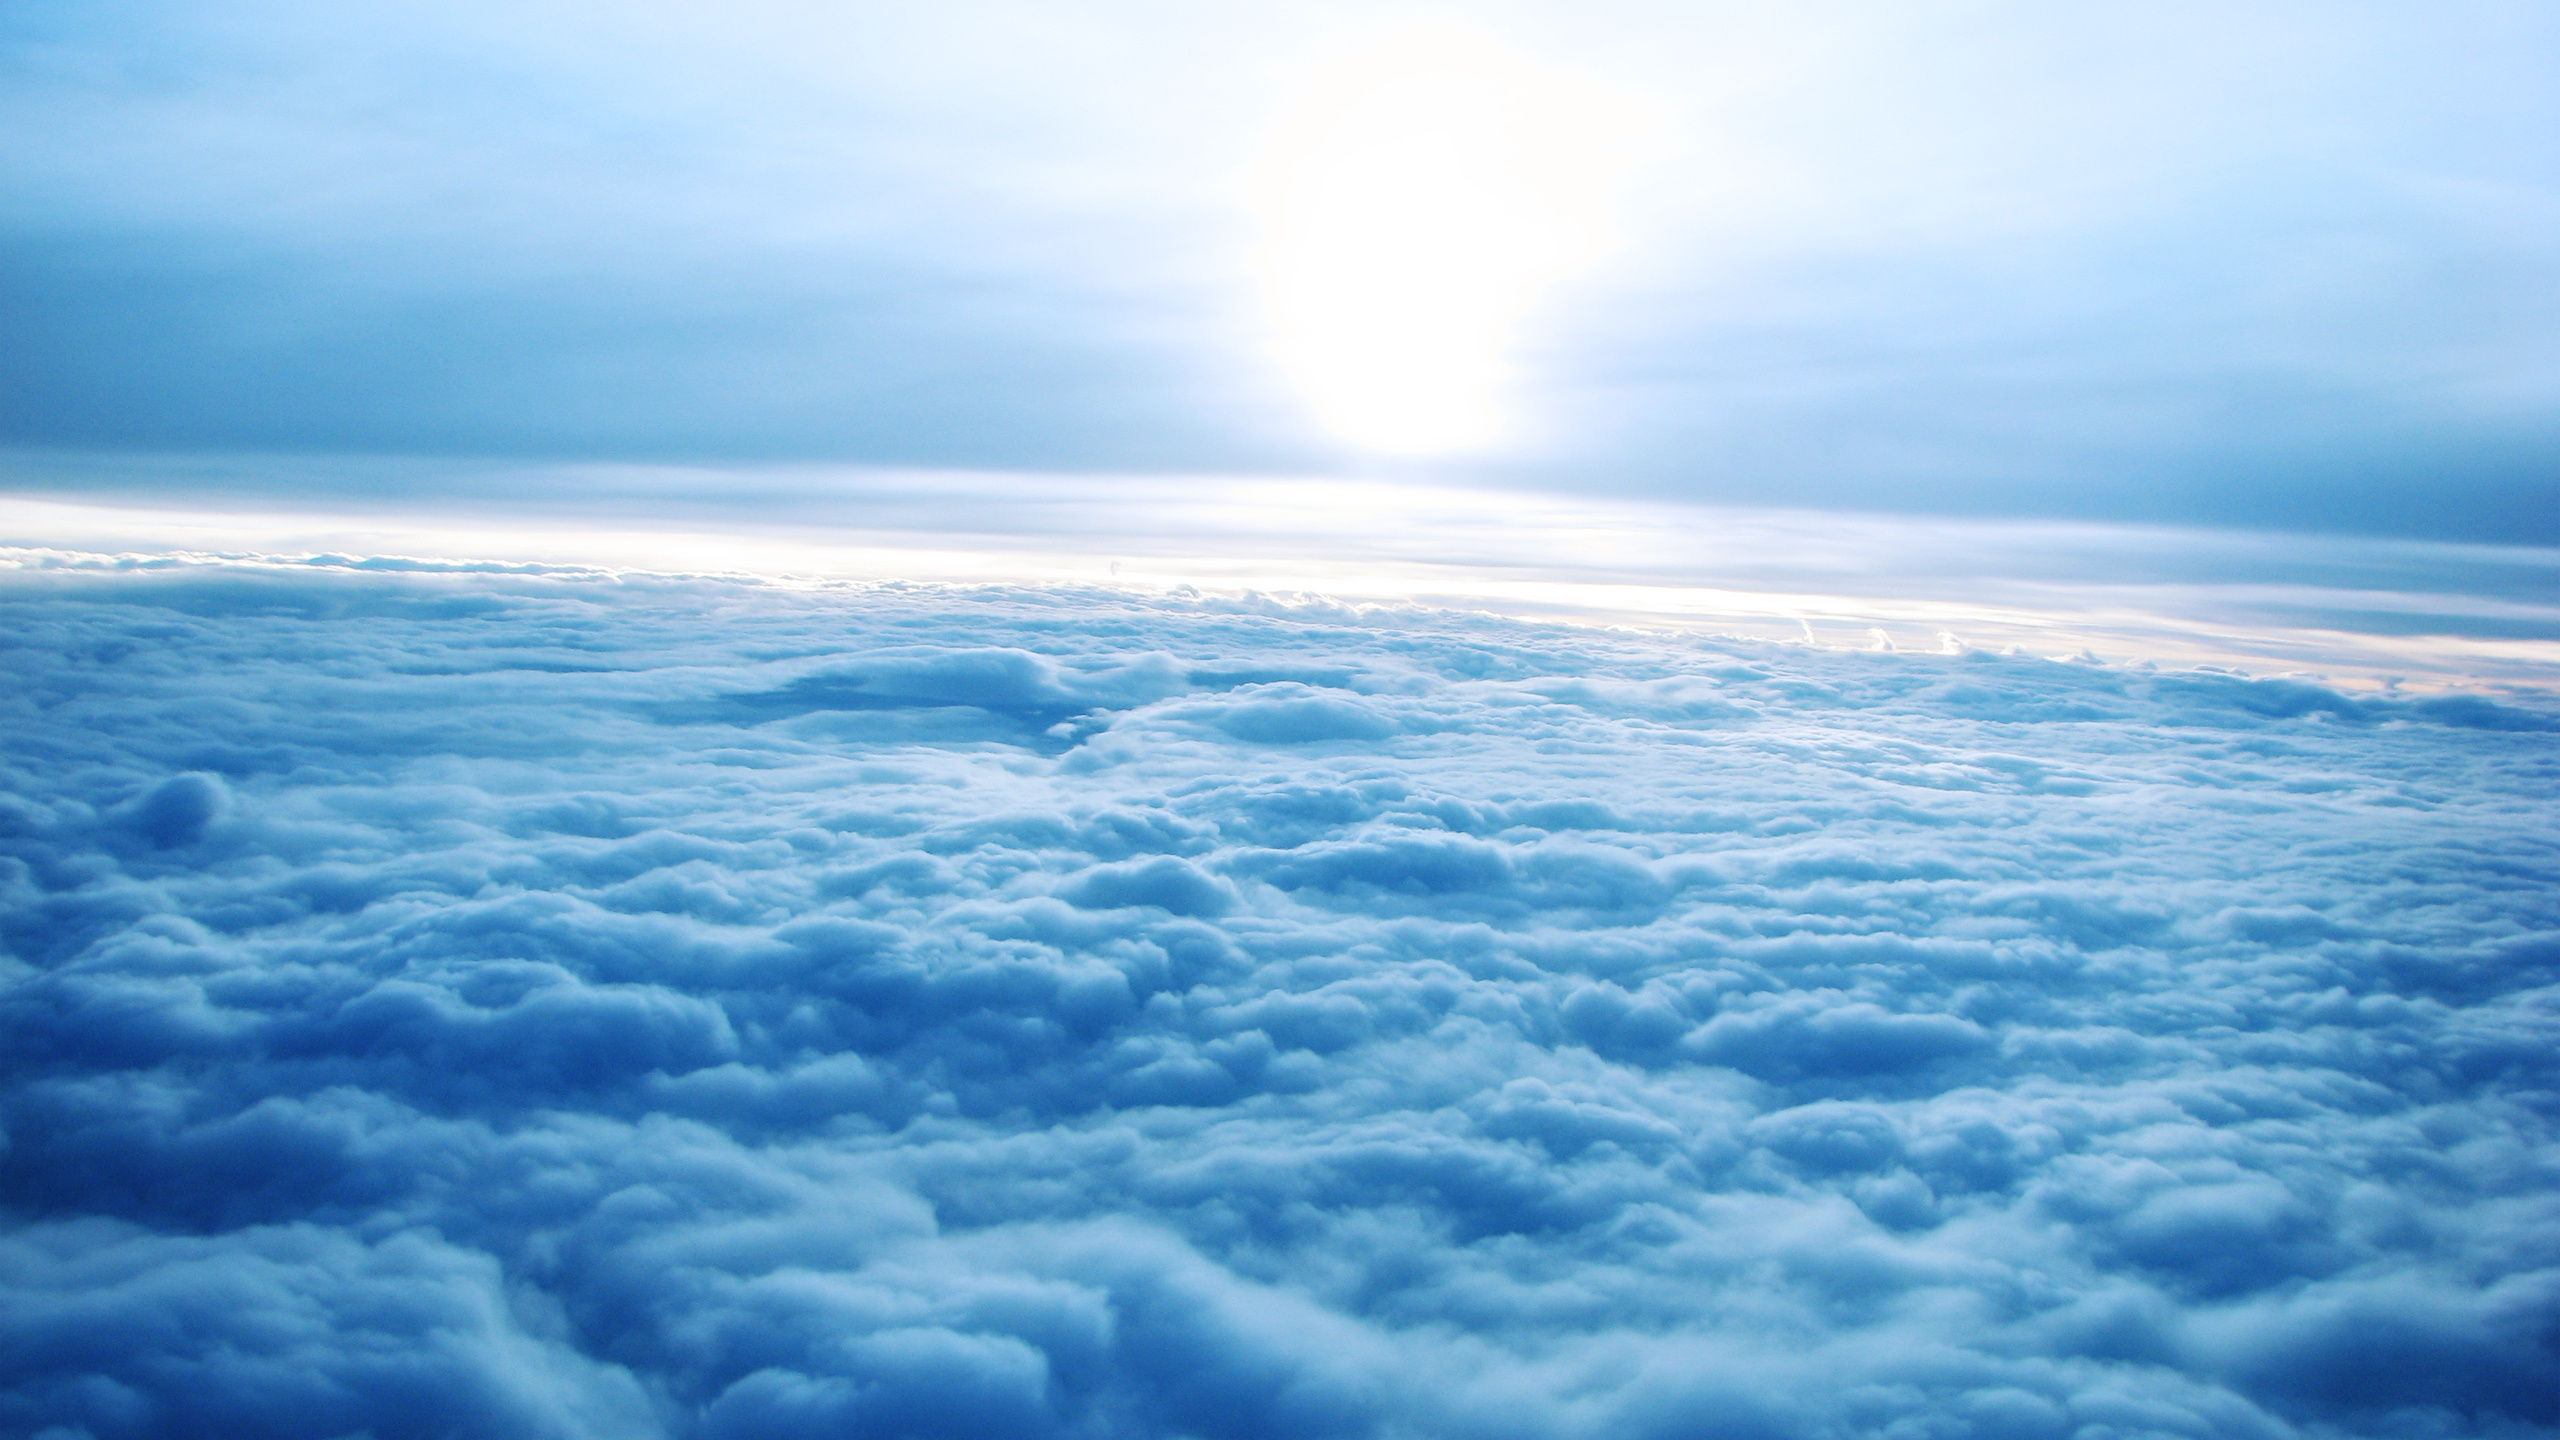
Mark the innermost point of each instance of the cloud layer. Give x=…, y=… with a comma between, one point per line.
x=508, y=1004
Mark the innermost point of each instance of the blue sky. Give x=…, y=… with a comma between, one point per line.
x=2286, y=267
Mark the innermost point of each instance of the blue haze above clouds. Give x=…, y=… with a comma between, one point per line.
x=480, y=1003
x=2282, y=266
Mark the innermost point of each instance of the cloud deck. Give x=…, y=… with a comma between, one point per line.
x=506, y=1004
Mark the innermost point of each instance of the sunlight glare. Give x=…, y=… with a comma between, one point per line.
x=1415, y=201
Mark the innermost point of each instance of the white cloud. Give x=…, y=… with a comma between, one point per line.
x=590, y=1004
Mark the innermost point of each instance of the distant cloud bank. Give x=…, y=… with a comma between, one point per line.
x=2366, y=612
x=594, y=1004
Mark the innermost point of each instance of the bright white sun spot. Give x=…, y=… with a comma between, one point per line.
x=1415, y=201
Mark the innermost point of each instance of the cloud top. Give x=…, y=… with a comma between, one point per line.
x=573, y=1005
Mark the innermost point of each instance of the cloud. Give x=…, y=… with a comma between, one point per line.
x=1166, y=883
x=177, y=811
x=473, y=1001
x=287, y=1330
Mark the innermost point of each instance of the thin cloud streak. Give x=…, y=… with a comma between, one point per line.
x=2363, y=612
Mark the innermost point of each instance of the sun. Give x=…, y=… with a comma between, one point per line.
x=1415, y=200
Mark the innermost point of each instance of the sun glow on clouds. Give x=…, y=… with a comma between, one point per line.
x=1415, y=200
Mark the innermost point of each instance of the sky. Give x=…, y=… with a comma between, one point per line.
x=1321, y=722
x=2282, y=267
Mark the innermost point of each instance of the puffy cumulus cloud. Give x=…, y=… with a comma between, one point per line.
x=561, y=1005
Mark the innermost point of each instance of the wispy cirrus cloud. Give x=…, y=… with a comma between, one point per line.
x=2366, y=612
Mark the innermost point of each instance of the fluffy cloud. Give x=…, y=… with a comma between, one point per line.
x=506, y=1004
